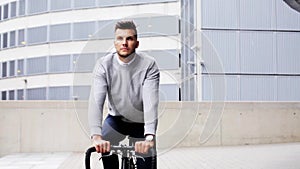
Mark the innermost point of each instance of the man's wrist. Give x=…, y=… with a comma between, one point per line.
x=96, y=137
x=149, y=137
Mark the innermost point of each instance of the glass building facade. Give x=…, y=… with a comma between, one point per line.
x=40, y=73
x=206, y=49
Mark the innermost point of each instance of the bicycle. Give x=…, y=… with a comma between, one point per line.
x=127, y=153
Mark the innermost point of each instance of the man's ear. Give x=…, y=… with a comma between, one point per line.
x=137, y=44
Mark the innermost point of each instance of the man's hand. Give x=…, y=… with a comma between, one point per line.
x=143, y=146
x=102, y=146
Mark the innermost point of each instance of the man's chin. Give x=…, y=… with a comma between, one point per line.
x=124, y=55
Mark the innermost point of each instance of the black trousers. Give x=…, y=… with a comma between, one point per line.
x=115, y=129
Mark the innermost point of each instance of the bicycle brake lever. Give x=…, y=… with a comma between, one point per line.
x=106, y=155
x=140, y=157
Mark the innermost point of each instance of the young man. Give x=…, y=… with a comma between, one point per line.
x=130, y=81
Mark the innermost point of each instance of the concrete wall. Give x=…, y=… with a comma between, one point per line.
x=51, y=126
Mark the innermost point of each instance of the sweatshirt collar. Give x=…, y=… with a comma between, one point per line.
x=131, y=57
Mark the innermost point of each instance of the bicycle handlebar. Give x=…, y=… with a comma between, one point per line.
x=88, y=156
x=112, y=148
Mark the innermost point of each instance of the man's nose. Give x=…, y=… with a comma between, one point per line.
x=124, y=42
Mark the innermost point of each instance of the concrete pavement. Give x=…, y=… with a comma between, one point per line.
x=273, y=156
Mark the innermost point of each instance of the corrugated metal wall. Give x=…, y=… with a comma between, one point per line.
x=257, y=43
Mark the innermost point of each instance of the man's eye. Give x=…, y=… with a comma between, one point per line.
x=130, y=38
x=119, y=38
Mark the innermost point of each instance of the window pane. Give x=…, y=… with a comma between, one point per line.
x=11, y=95
x=13, y=9
x=37, y=35
x=21, y=7
x=0, y=12
x=105, y=30
x=5, y=11
x=60, y=32
x=20, y=70
x=83, y=30
x=145, y=1
x=168, y=92
x=36, y=94
x=37, y=6
x=4, y=69
x=84, y=62
x=36, y=65
x=21, y=37
x=60, y=4
x=20, y=94
x=166, y=59
x=5, y=40
x=59, y=93
x=81, y=92
x=3, y=95
x=59, y=63
x=12, y=68
x=84, y=3
x=12, y=39
x=158, y=25
x=109, y=2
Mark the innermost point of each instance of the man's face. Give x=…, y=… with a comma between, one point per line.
x=125, y=42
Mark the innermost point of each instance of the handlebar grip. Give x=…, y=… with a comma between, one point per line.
x=113, y=147
x=88, y=156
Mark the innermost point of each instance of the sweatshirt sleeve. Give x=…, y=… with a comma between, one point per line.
x=97, y=99
x=151, y=99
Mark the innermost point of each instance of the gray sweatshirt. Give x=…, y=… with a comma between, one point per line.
x=131, y=89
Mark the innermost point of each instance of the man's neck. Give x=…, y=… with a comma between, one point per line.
x=126, y=59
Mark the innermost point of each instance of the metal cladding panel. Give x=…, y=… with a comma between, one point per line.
x=219, y=87
x=232, y=88
x=258, y=88
x=288, y=88
x=287, y=18
x=288, y=55
x=207, y=89
x=222, y=45
x=220, y=14
x=257, y=15
x=258, y=54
